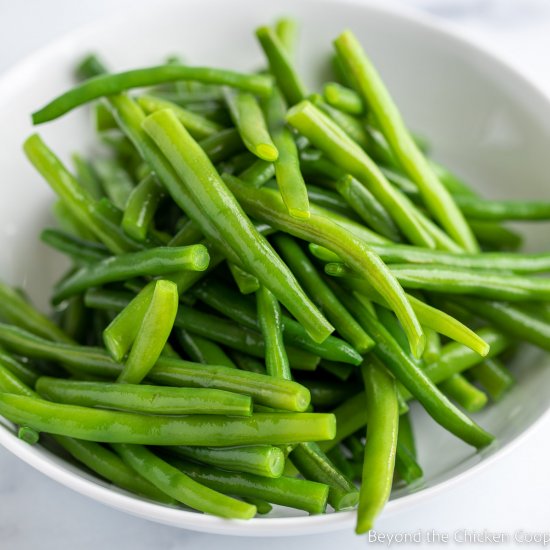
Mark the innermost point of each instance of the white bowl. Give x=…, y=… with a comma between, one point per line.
x=485, y=121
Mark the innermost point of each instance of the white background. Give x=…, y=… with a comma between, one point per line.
x=511, y=495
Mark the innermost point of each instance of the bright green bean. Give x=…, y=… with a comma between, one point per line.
x=246, y=282
x=181, y=487
x=203, y=350
x=380, y=446
x=373, y=91
x=200, y=430
x=249, y=120
x=343, y=98
x=144, y=398
x=270, y=322
x=261, y=460
x=152, y=335
x=494, y=377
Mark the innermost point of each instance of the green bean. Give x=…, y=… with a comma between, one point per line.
x=265, y=205
x=380, y=446
x=405, y=435
x=222, y=145
x=491, y=210
x=10, y=382
x=338, y=147
x=198, y=126
x=262, y=507
x=464, y=393
x=343, y=98
x=495, y=236
x=248, y=363
x=121, y=332
x=371, y=88
x=351, y=415
x=69, y=223
x=342, y=371
x=202, y=350
x=287, y=166
x=74, y=196
x=152, y=335
x=188, y=234
x=405, y=463
x=115, y=180
x=285, y=491
x=144, y=398
x=213, y=328
x=28, y=435
x=249, y=121
x=103, y=118
x=330, y=200
x=230, y=304
x=15, y=309
x=86, y=176
x=352, y=126
x=270, y=322
x=78, y=249
x=517, y=321
x=246, y=282
x=340, y=460
x=314, y=465
x=429, y=316
x=181, y=487
x=258, y=173
x=281, y=394
x=323, y=296
x=201, y=430
x=280, y=66
x=432, y=350
x=517, y=263
x=494, y=377
x=141, y=206
x=110, y=84
x=108, y=465
x=327, y=394
x=416, y=380
x=228, y=216
x=286, y=30
x=154, y=261
x=261, y=460
x=367, y=207
x=473, y=282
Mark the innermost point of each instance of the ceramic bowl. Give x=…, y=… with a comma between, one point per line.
x=483, y=119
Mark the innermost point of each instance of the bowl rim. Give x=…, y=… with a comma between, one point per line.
x=297, y=525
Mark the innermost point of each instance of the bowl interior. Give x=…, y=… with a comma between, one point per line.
x=482, y=120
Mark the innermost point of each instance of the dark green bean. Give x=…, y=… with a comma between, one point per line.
x=202, y=350
x=285, y=491
x=181, y=487
x=314, y=465
x=464, y=393
x=78, y=249
x=491, y=210
x=141, y=206
x=233, y=306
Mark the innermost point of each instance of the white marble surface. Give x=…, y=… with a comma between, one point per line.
x=511, y=496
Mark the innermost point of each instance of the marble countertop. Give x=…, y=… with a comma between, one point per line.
x=511, y=496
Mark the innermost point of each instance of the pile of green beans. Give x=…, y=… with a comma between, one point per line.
x=261, y=278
